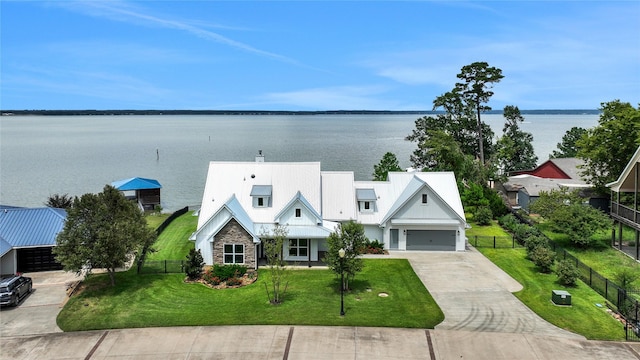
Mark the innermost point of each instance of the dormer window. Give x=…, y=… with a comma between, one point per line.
x=261, y=195
x=366, y=200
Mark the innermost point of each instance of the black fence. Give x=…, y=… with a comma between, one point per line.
x=624, y=302
x=162, y=267
x=496, y=242
x=172, y=217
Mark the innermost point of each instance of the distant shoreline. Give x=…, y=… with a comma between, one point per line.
x=271, y=112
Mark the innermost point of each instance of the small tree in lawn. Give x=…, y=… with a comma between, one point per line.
x=102, y=231
x=350, y=237
x=273, y=244
x=195, y=262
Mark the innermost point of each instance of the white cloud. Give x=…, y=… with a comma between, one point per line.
x=334, y=98
x=126, y=12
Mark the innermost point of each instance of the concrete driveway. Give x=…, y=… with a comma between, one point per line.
x=37, y=313
x=476, y=295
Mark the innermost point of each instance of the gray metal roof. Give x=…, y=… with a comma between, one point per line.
x=29, y=227
x=366, y=195
x=261, y=190
x=570, y=166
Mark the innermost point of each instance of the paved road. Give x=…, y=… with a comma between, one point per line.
x=306, y=342
x=483, y=320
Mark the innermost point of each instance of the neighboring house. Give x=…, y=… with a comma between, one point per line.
x=27, y=236
x=145, y=192
x=244, y=201
x=524, y=187
x=561, y=168
x=625, y=200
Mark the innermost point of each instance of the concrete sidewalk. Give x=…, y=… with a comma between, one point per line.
x=306, y=342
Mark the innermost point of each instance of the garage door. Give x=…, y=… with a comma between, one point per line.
x=440, y=240
x=37, y=259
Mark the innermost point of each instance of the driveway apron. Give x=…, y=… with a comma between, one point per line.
x=476, y=295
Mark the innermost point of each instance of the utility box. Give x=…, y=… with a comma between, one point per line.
x=560, y=297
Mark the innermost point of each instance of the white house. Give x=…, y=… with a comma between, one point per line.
x=244, y=201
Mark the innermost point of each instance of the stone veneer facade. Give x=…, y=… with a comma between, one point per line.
x=234, y=233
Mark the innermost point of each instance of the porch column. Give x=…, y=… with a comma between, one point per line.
x=637, y=241
x=619, y=235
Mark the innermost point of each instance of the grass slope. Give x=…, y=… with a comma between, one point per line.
x=583, y=317
x=173, y=243
x=312, y=299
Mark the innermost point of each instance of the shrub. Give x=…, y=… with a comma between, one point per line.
x=509, y=222
x=567, y=272
x=225, y=272
x=533, y=241
x=210, y=278
x=373, y=247
x=522, y=232
x=496, y=204
x=544, y=258
x=234, y=281
x=195, y=262
x=483, y=215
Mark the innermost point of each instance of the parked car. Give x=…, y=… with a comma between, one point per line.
x=14, y=289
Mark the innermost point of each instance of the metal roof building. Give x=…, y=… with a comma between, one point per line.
x=27, y=236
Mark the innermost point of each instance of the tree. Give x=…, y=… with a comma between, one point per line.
x=102, y=231
x=63, y=201
x=515, y=149
x=388, y=163
x=568, y=148
x=607, y=148
x=350, y=237
x=566, y=212
x=273, y=244
x=194, y=265
x=478, y=79
x=458, y=121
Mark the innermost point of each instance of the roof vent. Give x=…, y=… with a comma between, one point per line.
x=259, y=157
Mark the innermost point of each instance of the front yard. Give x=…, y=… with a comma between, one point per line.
x=312, y=298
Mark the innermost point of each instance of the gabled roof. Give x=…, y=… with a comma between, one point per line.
x=136, y=183
x=560, y=168
x=418, y=182
x=298, y=198
x=226, y=178
x=236, y=212
x=29, y=227
x=625, y=182
x=533, y=185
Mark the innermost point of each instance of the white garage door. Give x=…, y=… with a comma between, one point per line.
x=439, y=240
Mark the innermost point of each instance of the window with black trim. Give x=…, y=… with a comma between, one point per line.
x=298, y=247
x=233, y=253
x=298, y=212
x=260, y=202
x=424, y=198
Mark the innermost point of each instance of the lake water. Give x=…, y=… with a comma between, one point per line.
x=45, y=155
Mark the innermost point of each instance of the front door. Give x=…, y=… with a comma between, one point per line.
x=393, y=245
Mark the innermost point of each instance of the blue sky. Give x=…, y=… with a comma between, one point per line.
x=305, y=55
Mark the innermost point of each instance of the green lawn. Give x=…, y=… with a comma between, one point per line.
x=604, y=259
x=583, y=317
x=154, y=220
x=482, y=235
x=312, y=299
x=173, y=243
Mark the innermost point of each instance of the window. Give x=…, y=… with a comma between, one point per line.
x=260, y=202
x=233, y=254
x=298, y=213
x=367, y=205
x=298, y=247
x=424, y=198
